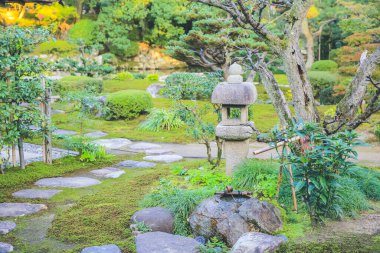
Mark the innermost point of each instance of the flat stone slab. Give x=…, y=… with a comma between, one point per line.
x=164, y=158
x=35, y=194
x=135, y=164
x=19, y=209
x=159, y=242
x=110, y=248
x=67, y=182
x=5, y=247
x=158, y=151
x=144, y=146
x=6, y=227
x=108, y=172
x=64, y=132
x=57, y=112
x=97, y=134
x=115, y=143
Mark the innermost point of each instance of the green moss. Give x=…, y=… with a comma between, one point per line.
x=124, y=76
x=78, y=83
x=116, y=85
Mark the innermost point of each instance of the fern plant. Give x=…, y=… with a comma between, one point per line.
x=161, y=119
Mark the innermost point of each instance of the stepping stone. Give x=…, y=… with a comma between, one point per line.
x=108, y=172
x=144, y=146
x=6, y=227
x=164, y=158
x=57, y=112
x=35, y=194
x=158, y=151
x=110, y=248
x=113, y=143
x=67, y=182
x=19, y=209
x=160, y=242
x=5, y=247
x=135, y=164
x=97, y=134
x=64, y=132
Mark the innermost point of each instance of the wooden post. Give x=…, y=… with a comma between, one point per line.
x=46, y=125
x=295, y=207
x=21, y=153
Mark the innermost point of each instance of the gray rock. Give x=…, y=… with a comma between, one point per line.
x=230, y=218
x=164, y=158
x=110, y=248
x=135, y=164
x=159, y=242
x=255, y=242
x=35, y=194
x=115, y=143
x=108, y=172
x=144, y=146
x=57, y=112
x=64, y=132
x=67, y=182
x=158, y=151
x=265, y=215
x=97, y=134
x=5, y=247
x=157, y=218
x=19, y=209
x=154, y=90
x=6, y=227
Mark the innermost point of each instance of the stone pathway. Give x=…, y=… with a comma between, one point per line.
x=95, y=135
x=19, y=209
x=135, y=164
x=115, y=143
x=6, y=227
x=5, y=247
x=35, y=194
x=67, y=182
x=164, y=158
x=110, y=248
x=108, y=172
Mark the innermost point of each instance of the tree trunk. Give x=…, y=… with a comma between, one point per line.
x=274, y=92
x=309, y=43
x=219, y=144
x=79, y=7
x=303, y=98
x=21, y=153
x=251, y=76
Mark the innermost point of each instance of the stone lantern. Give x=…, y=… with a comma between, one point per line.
x=235, y=97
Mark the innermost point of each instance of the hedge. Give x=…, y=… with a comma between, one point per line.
x=78, y=83
x=127, y=104
x=124, y=76
x=324, y=65
x=321, y=80
x=59, y=47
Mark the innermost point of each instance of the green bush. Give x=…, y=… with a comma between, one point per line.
x=123, y=76
x=83, y=31
x=180, y=201
x=368, y=181
x=327, y=97
x=191, y=85
x=58, y=47
x=109, y=58
x=257, y=176
x=324, y=65
x=127, y=104
x=377, y=131
x=321, y=80
x=78, y=83
x=153, y=77
x=131, y=50
x=161, y=119
x=139, y=76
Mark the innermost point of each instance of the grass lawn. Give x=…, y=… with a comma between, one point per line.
x=111, y=86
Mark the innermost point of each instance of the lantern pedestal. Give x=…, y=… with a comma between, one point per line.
x=235, y=152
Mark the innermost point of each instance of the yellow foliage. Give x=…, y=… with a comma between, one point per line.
x=313, y=12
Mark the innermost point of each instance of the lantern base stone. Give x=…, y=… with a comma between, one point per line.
x=235, y=152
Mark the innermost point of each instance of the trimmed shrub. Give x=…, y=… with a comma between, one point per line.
x=321, y=80
x=153, y=77
x=127, y=104
x=324, y=65
x=59, y=47
x=328, y=96
x=78, y=83
x=132, y=50
x=123, y=76
x=161, y=119
x=83, y=31
x=109, y=58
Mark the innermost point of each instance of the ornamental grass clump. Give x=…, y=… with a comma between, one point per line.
x=161, y=119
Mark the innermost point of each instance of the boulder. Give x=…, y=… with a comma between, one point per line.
x=160, y=242
x=154, y=90
x=229, y=218
x=6, y=227
x=109, y=248
x=157, y=218
x=255, y=242
x=5, y=247
x=164, y=158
